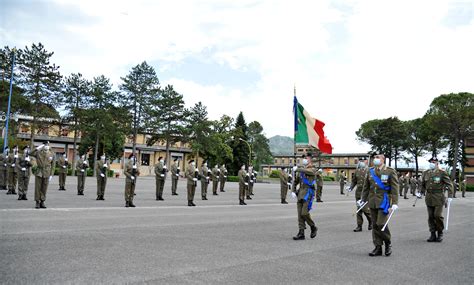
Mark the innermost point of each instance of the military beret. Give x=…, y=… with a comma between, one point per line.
x=191, y=161
x=433, y=159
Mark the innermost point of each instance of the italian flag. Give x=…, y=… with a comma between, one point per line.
x=308, y=130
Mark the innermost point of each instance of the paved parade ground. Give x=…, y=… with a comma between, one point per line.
x=79, y=240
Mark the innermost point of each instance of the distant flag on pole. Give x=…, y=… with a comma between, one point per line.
x=308, y=130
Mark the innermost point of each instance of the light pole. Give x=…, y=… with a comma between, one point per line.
x=250, y=150
x=5, y=139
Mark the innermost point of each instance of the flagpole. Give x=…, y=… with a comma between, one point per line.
x=295, y=116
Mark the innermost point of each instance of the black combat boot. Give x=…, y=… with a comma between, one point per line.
x=190, y=204
x=377, y=251
x=14, y=192
x=37, y=205
x=24, y=197
x=127, y=204
x=248, y=197
x=432, y=237
x=440, y=236
x=42, y=206
x=283, y=201
x=358, y=229
x=215, y=194
x=314, y=232
x=20, y=197
x=242, y=202
x=98, y=198
x=319, y=201
x=388, y=248
x=131, y=204
x=222, y=190
x=299, y=236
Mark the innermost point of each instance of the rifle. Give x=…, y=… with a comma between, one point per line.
x=134, y=173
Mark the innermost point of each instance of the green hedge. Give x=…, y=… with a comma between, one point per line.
x=329, y=178
x=232, y=178
x=470, y=188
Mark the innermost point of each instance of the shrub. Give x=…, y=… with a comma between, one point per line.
x=233, y=178
x=470, y=188
x=328, y=178
x=274, y=174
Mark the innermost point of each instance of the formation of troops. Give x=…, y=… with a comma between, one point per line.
x=377, y=188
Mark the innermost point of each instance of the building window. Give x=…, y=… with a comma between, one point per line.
x=346, y=161
x=276, y=160
x=65, y=131
x=24, y=128
x=145, y=159
x=282, y=161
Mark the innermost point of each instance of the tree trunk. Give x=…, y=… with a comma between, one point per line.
x=416, y=164
x=167, y=152
x=455, y=158
x=134, y=143
x=396, y=158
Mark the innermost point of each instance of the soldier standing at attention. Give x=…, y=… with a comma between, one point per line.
x=413, y=186
x=433, y=183
x=342, y=182
x=160, y=176
x=243, y=184
x=3, y=169
x=319, y=185
x=192, y=177
x=101, y=168
x=44, y=172
x=406, y=186
x=205, y=179
x=250, y=182
x=402, y=182
x=131, y=173
x=284, y=184
x=81, y=168
x=12, y=173
x=222, y=177
x=174, y=176
x=24, y=165
x=62, y=164
x=215, y=179
x=380, y=190
x=252, y=179
x=358, y=181
x=305, y=178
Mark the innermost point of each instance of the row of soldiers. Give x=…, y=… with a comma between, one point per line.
x=377, y=191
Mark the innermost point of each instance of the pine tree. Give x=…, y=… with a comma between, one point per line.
x=41, y=82
x=166, y=118
x=240, y=149
x=140, y=85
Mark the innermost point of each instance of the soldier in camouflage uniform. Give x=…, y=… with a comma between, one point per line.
x=215, y=179
x=62, y=164
x=24, y=165
x=380, y=190
x=205, y=175
x=12, y=171
x=131, y=173
x=101, y=168
x=433, y=183
x=222, y=177
x=43, y=172
x=243, y=184
x=192, y=177
x=175, y=169
x=358, y=181
x=3, y=169
x=81, y=172
x=284, y=184
x=160, y=177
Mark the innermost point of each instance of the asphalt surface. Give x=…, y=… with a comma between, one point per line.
x=79, y=240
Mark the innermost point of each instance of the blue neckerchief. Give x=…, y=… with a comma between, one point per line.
x=385, y=204
x=309, y=197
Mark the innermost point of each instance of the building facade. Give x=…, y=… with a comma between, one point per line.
x=469, y=169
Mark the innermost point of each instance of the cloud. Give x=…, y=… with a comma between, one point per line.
x=352, y=61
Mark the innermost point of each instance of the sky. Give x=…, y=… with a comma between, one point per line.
x=351, y=61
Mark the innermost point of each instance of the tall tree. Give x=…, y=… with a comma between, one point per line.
x=432, y=135
x=166, y=118
x=413, y=144
x=454, y=114
x=41, y=82
x=260, y=149
x=140, y=85
x=76, y=97
x=199, y=129
x=240, y=149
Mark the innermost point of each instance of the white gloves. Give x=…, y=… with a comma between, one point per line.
x=105, y=165
x=177, y=175
x=225, y=176
x=289, y=184
x=348, y=189
x=15, y=156
x=102, y=175
x=51, y=177
x=418, y=195
x=294, y=168
x=40, y=147
x=394, y=207
x=162, y=175
x=82, y=170
x=132, y=177
x=207, y=177
x=246, y=184
x=64, y=166
x=23, y=169
x=195, y=179
x=359, y=203
x=13, y=165
x=134, y=166
x=293, y=195
x=450, y=200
